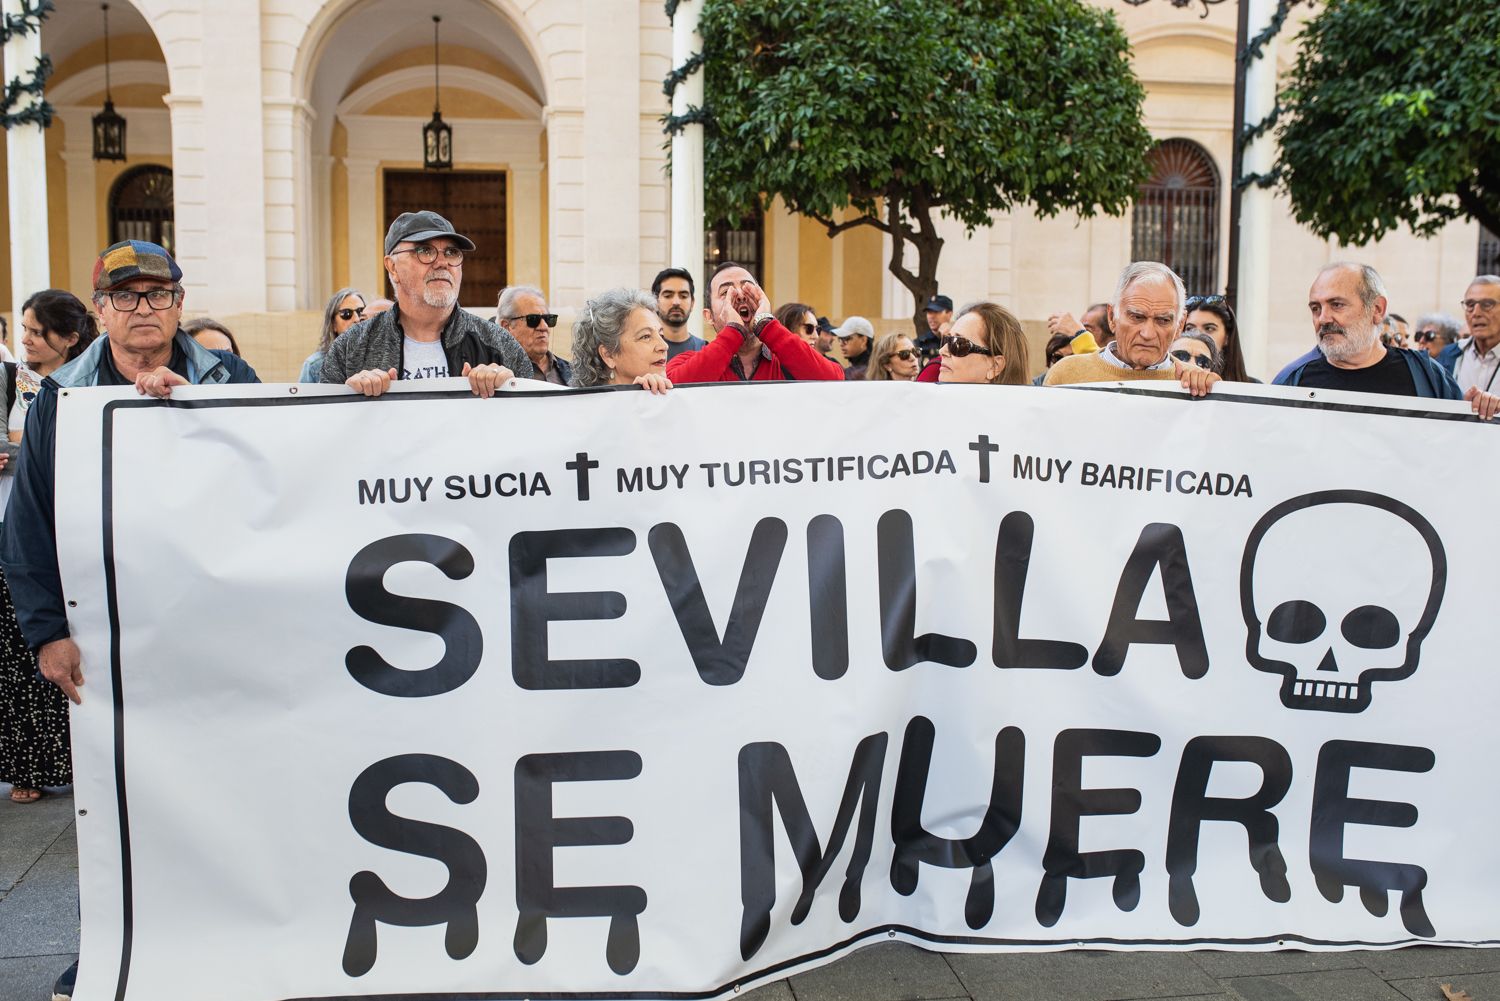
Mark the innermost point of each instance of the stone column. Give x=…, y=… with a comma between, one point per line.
x=687, y=159
x=365, y=234
x=83, y=213
x=219, y=162
x=289, y=229
x=26, y=181
x=524, y=201
x=611, y=154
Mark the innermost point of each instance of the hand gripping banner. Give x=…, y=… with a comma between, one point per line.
x=604, y=694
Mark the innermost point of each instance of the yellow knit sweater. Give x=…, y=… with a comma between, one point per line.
x=1093, y=368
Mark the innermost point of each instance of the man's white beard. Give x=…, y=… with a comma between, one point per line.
x=439, y=296
x=1355, y=342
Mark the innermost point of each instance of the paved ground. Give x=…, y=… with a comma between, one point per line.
x=39, y=938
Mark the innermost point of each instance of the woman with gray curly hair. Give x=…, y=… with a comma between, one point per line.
x=344, y=310
x=619, y=341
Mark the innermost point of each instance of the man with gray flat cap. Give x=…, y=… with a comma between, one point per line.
x=425, y=335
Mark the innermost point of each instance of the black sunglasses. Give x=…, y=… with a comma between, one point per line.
x=905, y=354
x=1423, y=336
x=349, y=314
x=1202, y=361
x=809, y=328
x=534, y=320
x=958, y=347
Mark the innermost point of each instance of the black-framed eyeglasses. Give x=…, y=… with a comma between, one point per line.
x=126, y=300
x=534, y=320
x=1423, y=336
x=427, y=253
x=1199, y=301
x=1482, y=305
x=809, y=329
x=905, y=354
x=349, y=314
x=959, y=346
x=1187, y=357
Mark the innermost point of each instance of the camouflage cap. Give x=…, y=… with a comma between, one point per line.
x=120, y=262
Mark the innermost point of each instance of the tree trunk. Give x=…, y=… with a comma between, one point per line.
x=923, y=283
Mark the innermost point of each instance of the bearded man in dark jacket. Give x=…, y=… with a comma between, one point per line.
x=426, y=335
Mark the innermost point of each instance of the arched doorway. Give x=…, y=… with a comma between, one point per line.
x=1176, y=216
x=367, y=74
x=140, y=207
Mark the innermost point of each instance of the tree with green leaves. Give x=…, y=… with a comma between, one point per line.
x=900, y=111
x=1391, y=116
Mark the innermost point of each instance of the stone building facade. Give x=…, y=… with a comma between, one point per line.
x=270, y=141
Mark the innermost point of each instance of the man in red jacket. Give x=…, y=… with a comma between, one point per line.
x=749, y=344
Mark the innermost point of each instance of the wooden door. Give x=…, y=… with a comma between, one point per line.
x=474, y=202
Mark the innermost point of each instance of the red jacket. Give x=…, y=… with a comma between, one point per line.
x=791, y=358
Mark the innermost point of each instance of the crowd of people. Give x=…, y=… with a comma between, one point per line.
x=1150, y=329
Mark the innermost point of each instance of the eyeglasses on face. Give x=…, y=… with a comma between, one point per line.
x=1479, y=305
x=349, y=314
x=809, y=329
x=534, y=320
x=905, y=354
x=157, y=298
x=1187, y=357
x=1423, y=336
x=958, y=347
x=427, y=253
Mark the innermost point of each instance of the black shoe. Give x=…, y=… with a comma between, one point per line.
x=63, y=989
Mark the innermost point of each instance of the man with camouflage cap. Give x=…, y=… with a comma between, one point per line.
x=139, y=300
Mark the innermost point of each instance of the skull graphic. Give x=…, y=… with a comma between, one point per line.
x=1339, y=589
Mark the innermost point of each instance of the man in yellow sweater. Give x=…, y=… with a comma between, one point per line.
x=1147, y=312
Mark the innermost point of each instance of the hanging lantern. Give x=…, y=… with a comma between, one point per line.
x=109, y=126
x=437, y=135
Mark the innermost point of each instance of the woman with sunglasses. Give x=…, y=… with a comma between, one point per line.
x=344, y=310
x=800, y=319
x=985, y=346
x=1211, y=315
x=620, y=341
x=893, y=359
x=1197, y=348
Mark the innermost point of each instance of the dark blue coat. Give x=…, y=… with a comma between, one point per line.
x=1429, y=378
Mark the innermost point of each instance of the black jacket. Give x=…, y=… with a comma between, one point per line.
x=378, y=343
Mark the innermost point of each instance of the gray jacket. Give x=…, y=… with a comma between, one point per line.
x=378, y=342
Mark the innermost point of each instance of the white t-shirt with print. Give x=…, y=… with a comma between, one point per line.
x=423, y=360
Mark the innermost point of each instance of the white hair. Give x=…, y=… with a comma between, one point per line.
x=511, y=293
x=1143, y=270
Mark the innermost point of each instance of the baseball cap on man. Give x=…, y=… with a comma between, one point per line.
x=939, y=304
x=855, y=325
x=120, y=262
x=824, y=325
x=417, y=226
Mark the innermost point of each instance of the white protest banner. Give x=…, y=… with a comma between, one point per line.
x=606, y=694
